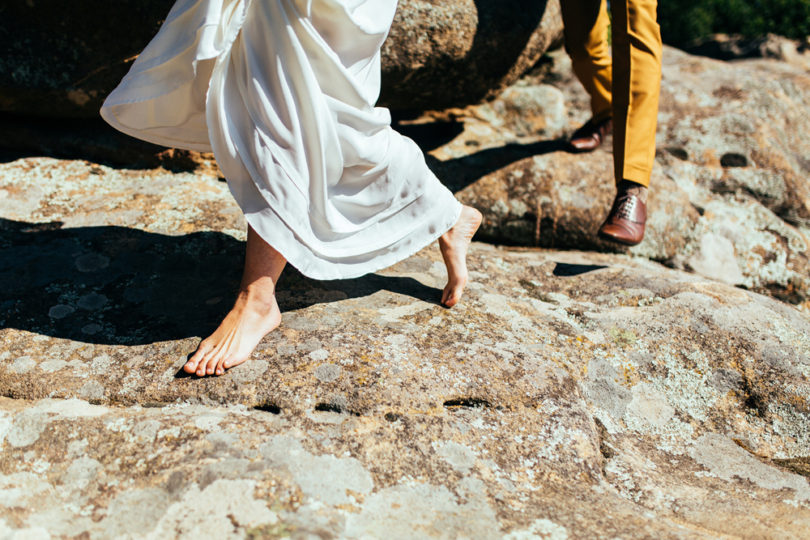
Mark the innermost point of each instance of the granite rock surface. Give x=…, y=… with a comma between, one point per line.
x=447, y=53
x=730, y=191
x=571, y=394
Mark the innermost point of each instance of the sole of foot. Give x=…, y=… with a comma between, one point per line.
x=453, y=245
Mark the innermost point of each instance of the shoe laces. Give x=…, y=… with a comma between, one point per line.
x=626, y=206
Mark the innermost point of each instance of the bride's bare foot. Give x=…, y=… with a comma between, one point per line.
x=254, y=315
x=454, y=244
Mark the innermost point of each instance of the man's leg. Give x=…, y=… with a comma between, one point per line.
x=636, y=85
x=586, y=25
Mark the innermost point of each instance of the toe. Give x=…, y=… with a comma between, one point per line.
x=199, y=354
x=231, y=362
x=203, y=363
x=221, y=367
x=211, y=364
x=451, y=296
x=446, y=294
x=453, y=292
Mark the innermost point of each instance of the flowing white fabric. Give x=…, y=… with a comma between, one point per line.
x=283, y=93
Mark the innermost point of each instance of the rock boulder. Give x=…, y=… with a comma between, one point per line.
x=446, y=53
x=60, y=61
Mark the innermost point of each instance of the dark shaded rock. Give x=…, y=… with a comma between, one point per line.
x=446, y=53
x=93, y=140
x=59, y=61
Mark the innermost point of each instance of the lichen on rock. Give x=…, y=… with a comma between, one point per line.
x=660, y=400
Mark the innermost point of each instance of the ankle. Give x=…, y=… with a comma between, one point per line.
x=632, y=188
x=259, y=294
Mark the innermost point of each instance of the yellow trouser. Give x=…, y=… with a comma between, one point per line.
x=634, y=83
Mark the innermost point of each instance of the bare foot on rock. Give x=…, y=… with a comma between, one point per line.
x=254, y=315
x=454, y=244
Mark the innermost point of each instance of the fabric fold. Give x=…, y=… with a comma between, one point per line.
x=283, y=92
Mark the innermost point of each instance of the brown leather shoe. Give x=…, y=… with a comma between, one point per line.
x=590, y=136
x=625, y=223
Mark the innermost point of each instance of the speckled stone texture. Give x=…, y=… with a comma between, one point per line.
x=570, y=395
x=730, y=191
x=60, y=61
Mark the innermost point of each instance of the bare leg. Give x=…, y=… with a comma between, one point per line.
x=454, y=244
x=254, y=315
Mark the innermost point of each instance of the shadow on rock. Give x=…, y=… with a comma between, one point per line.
x=90, y=140
x=114, y=285
x=496, y=19
x=461, y=172
x=572, y=270
x=429, y=136
x=450, y=69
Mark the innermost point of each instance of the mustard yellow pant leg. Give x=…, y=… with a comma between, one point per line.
x=636, y=86
x=586, y=42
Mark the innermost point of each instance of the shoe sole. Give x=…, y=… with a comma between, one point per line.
x=617, y=240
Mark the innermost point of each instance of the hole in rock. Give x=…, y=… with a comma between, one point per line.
x=756, y=404
x=470, y=403
x=268, y=407
x=678, y=152
x=604, y=446
x=393, y=417
x=733, y=160
x=571, y=270
x=754, y=400
x=335, y=408
x=153, y=405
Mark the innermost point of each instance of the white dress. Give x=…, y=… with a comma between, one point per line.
x=283, y=93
